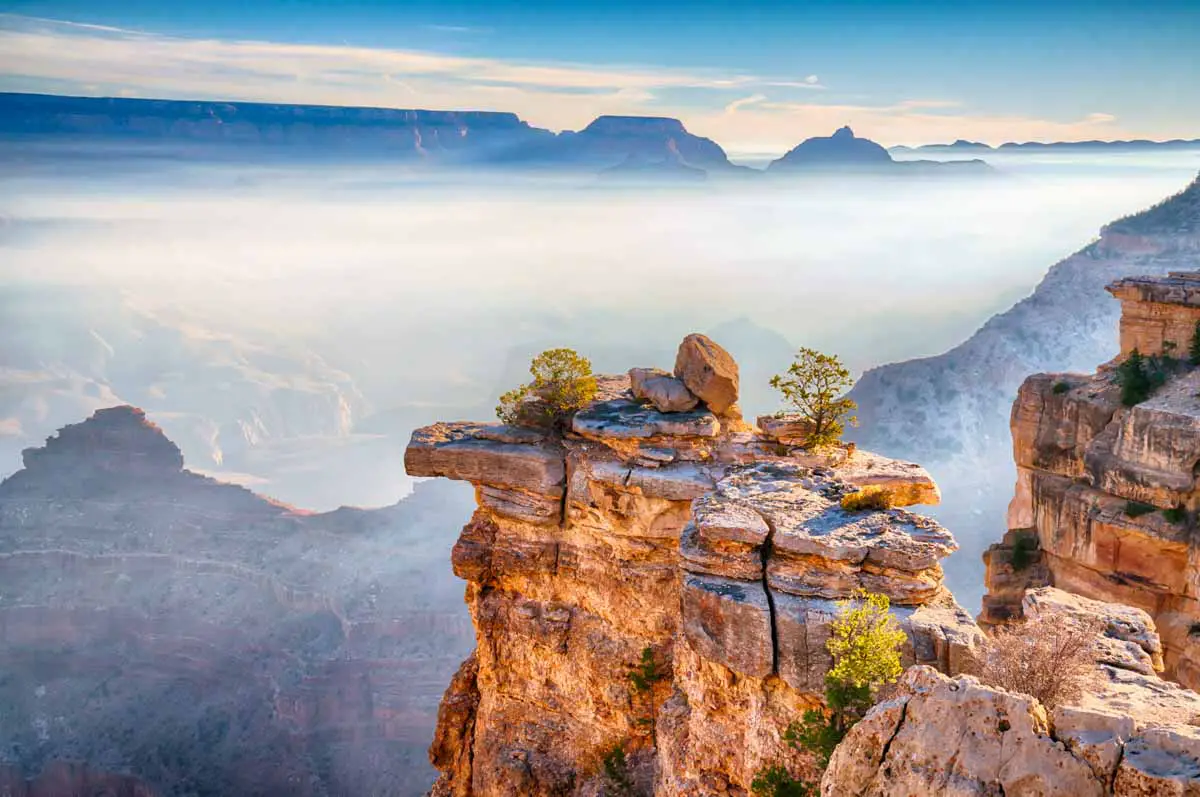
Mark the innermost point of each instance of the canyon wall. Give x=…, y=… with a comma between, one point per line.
x=164, y=633
x=1106, y=494
x=663, y=579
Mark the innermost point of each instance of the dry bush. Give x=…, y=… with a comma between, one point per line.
x=1050, y=658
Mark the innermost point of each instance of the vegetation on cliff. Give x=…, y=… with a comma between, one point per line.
x=1048, y=659
x=865, y=644
x=562, y=383
x=816, y=384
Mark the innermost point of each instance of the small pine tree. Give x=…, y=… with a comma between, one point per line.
x=1194, y=348
x=1134, y=378
x=647, y=673
x=562, y=383
x=616, y=771
x=815, y=384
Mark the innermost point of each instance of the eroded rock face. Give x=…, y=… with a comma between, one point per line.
x=1109, y=492
x=1130, y=734
x=195, y=637
x=679, y=536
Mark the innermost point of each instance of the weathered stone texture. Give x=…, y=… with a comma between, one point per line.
x=1110, y=492
x=682, y=533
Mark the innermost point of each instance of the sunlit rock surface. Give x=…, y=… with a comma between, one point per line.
x=686, y=534
x=1131, y=734
x=164, y=633
x=1109, y=492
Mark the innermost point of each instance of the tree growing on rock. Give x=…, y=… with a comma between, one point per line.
x=865, y=644
x=562, y=383
x=815, y=384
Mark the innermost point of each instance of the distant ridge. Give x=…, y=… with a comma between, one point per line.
x=975, y=146
x=467, y=138
x=843, y=151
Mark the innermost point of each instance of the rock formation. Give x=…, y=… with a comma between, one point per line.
x=951, y=412
x=1107, y=493
x=843, y=151
x=635, y=145
x=1131, y=735
x=163, y=633
x=682, y=547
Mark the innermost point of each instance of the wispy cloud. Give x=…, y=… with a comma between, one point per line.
x=740, y=110
x=124, y=61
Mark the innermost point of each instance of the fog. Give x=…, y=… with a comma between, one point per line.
x=288, y=324
x=422, y=294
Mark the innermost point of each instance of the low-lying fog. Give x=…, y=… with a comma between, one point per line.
x=288, y=324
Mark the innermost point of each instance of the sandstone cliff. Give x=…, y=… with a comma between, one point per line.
x=1132, y=734
x=201, y=639
x=950, y=412
x=1107, y=493
x=686, y=541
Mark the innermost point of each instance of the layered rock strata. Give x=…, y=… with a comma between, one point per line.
x=1131, y=735
x=1108, y=493
x=718, y=553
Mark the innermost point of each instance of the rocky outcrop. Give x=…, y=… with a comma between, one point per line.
x=1106, y=494
x=164, y=633
x=675, y=538
x=1131, y=734
x=708, y=372
x=843, y=151
x=951, y=412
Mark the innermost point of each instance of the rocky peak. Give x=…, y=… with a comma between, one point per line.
x=841, y=149
x=684, y=534
x=117, y=441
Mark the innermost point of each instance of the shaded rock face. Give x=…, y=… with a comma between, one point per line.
x=161, y=632
x=1108, y=492
x=1130, y=734
x=842, y=148
x=677, y=538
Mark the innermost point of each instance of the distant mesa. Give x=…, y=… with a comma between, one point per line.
x=648, y=145
x=843, y=151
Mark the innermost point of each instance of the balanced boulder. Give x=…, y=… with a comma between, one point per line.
x=708, y=371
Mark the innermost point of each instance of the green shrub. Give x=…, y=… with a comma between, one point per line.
x=1024, y=548
x=616, y=771
x=1176, y=515
x=1061, y=387
x=865, y=644
x=1194, y=348
x=776, y=782
x=868, y=498
x=815, y=385
x=647, y=673
x=562, y=383
x=1140, y=376
x=1137, y=508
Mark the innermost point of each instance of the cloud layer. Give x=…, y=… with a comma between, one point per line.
x=744, y=112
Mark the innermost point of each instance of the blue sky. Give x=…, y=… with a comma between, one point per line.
x=756, y=76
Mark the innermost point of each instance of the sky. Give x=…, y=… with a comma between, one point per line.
x=757, y=77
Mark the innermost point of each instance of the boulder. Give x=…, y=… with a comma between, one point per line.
x=664, y=391
x=708, y=371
